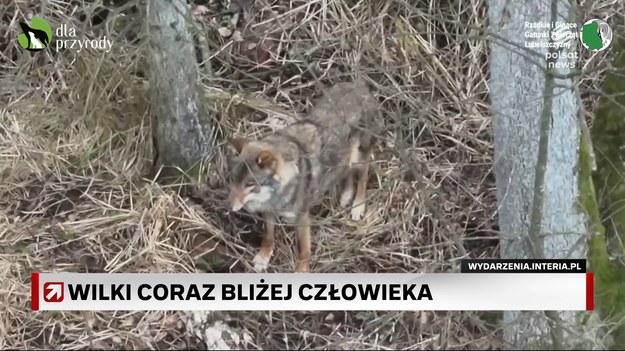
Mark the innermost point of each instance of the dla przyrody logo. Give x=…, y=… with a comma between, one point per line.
x=596, y=35
x=36, y=36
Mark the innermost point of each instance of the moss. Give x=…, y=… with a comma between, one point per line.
x=176, y=176
x=68, y=236
x=211, y=263
x=608, y=138
x=492, y=319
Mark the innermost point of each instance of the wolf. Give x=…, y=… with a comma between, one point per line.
x=284, y=173
x=37, y=38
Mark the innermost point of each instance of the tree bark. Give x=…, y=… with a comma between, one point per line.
x=183, y=136
x=607, y=251
x=537, y=163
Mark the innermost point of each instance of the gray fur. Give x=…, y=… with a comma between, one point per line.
x=319, y=145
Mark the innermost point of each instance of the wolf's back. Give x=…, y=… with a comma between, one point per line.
x=343, y=103
x=343, y=107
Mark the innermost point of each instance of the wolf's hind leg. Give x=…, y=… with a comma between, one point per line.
x=351, y=161
x=361, y=172
x=359, y=204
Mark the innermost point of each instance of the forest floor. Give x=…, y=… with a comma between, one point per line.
x=76, y=153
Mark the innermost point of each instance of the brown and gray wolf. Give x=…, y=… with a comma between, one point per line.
x=283, y=174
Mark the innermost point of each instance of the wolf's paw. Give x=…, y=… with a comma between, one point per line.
x=358, y=212
x=346, y=197
x=302, y=267
x=261, y=262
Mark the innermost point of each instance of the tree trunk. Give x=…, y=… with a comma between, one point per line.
x=537, y=163
x=183, y=136
x=607, y=251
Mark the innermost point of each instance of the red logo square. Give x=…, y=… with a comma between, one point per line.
x=53, y=291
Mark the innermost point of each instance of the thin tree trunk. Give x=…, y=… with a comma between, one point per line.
x=607, y=249
x=537, y=163
x=183, y=136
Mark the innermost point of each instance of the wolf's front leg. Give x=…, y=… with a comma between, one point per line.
x=303, y=239
x=347, y=194
x=261, y=260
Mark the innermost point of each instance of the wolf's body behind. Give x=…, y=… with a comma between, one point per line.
x=286, y=172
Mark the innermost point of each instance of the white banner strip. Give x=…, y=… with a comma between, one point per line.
x=312, y=291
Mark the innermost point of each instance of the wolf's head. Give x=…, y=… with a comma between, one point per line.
x=258, y=175
x=25, y=28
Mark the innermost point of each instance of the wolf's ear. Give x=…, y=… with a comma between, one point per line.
x=238, y=143
x=267, y=160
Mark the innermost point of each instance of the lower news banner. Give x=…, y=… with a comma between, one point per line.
x=311, y=291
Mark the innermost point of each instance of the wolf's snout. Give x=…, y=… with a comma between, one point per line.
x=236, y=199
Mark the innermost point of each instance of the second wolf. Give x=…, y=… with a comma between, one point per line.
x=283, y=174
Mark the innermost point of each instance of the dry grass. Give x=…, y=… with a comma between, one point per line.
x=75, y=141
